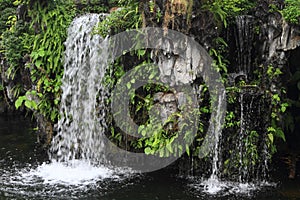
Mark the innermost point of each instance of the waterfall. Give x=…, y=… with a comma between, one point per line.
x=251, y=147
x=241, y=136
x=217, y=135
x=213, y=184
x=82, y=122
x=244, y=43
x=77, y=150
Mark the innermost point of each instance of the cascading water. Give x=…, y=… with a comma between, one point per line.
x=251, y=139
x=77, y=151
x=249, y=150
x=244, y=44
x=78, y=137
x=77, y=160
x=251, y=147
x=213, y=185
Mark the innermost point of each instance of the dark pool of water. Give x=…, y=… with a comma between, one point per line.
x=18, y=151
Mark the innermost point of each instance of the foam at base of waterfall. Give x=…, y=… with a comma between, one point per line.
x=61, y=181
x=77, y=172
x=217, y=187
x=213, y=186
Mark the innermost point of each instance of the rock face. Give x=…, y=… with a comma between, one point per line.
x=165, y=106
x=257, y=41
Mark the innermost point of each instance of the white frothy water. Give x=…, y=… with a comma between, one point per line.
x=77, y=173
x=82, y=122
x=213, y=185
x=217, y=187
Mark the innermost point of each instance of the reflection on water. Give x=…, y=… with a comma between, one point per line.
x=24, y=175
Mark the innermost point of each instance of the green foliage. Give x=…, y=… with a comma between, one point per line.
x=12, y=44
x=6, y=10
x=160, y=141
x=42, y=43
x=156, y=137
x=278, y=107
x=93, y=6
x=273, y=72
x=252, y=154
x=218, y=54
x=122, y=19
x=291, y=11
x=231, y=120
x=51, y=23
x=28, y=100
x=224, y=9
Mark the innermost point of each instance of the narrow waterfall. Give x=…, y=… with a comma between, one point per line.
x=213, y=184
x=217, y=135
x=251, y=147
x=82, y=122
x=244, y=44
x=250, y=142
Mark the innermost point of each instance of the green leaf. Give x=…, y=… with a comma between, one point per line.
x=169, y=147
x=280, y=134
x=271, y=137
x=152, y=75
x=141, y=127
x=283, y=107
x=144, y=132
x=187, y=148
x=19, y=101
x=31, y=104
x=38, y=63
x=53, y=115
x=161, y=152
x=28, y=104
x=148, y=150
x=41, y=53
x=128, y=85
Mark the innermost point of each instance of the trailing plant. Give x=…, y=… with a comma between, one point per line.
x=49, y=25
x=218, y=52
x=278, y=108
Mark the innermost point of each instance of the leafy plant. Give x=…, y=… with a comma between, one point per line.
x=122, y=19
x=44, y=40
x=218, y=54
x=291, y=11
x=224, y=9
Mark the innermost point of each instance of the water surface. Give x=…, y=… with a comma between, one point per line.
x=21, y=158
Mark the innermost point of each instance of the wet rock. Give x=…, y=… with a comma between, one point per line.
x=284, y=37
x=45, y=130
x=164, y=108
